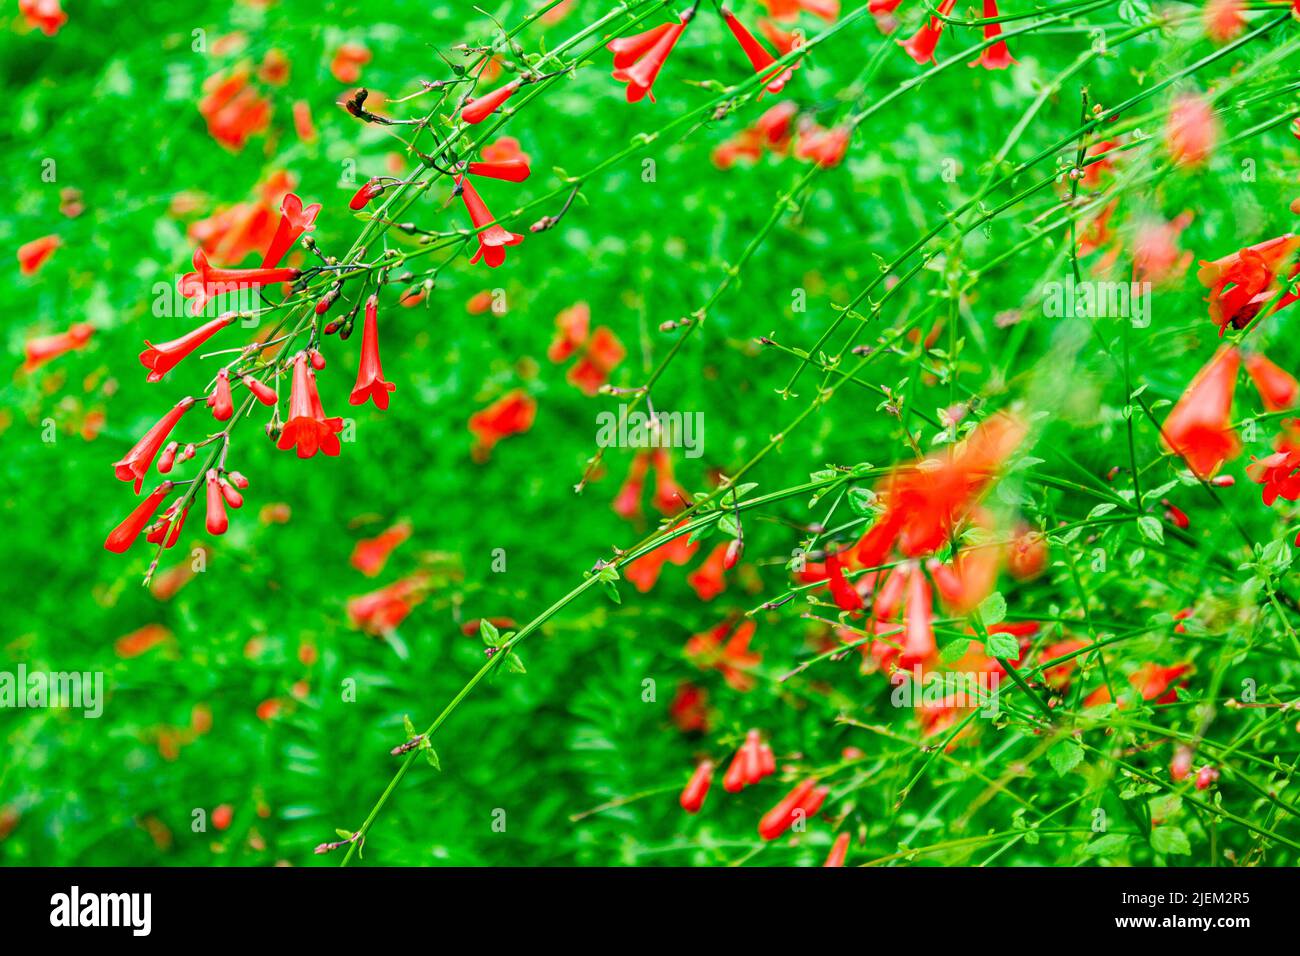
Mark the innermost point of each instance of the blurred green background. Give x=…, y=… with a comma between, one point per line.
x=112, y=100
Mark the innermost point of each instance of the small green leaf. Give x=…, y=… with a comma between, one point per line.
x=431, y=755
x=993, y=609
x=1170, y=840
x=955, y=650
x=491, y=636
x=408, y=726
x=1151, y=528
x=1108, y=844
x=1002, y=645
x=514, y=664
x=1064, y=756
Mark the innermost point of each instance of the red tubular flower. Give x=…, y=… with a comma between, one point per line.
x=1200, y=426
x=348, y=60
x=503, y=150
x=1223, y=20
x=709, y=579
x=924, y=502
x=570, y=331
x=40, y=350
x=216, y=520
x=1175, y=515
x=627, y=50
x=752, y=762
x=759, y=58
x=368, y=191
x=371, y=554
x=842, y=592
x=370, y=374
x=1156, y=256
x=511, y=170
x=1242, y=283
x=135, y=464
x=1205, y=777
x=44, y=15
x=1277, y=388
x=825, y=147
x=32, y=255
x=1027, y=555
x=920, y=47
x=669, y=497
x=220, y=401
x=1151, y=680
x=381, y=611
x=1190, y=131
x=838, y=851
x=479, y=108
x=727, y=651
x=307, y=427
x=918, y=636
x=207, y=282
x=259, y=389
x=697, y=788
x=602, y=355
x=805, y=796
x=997, y=56
x=161, y=359
x=511, y=414
x=124, y=535
x=492, y=239
x=643, y=572
x=232, y=496
x=295, y=219
x=640, y=76
x=627, y=503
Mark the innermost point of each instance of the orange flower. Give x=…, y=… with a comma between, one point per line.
x=38, y=351
x=348, y=60
x=1277, y=388
x=1191, y=131
x=511, y=414
x=727, y=650
x=371, y=554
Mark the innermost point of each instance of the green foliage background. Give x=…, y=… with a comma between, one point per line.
x=112, y=100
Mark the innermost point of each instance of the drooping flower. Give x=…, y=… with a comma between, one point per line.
x=759, y=58
x=1191, y=131
x=511, y=414
x=669, y=497
x=233, y=109
x=134, y=465
x=709, y=579
x=643, y=572
x=207, y=282
x=925, y=501
x=601, y=355
x=627, y=503
x=997, y=56
x=825, y=147
x=640, y=75
x=220, y=400
x=492, y=239
x=348, y=60
x=260, y=391
x=217, y=522
x=295, y=219
x=1277, y=387
x=1156, y=256
x=40, y=350
x=843, y=593
x=371, y=554
x=44, y=15
x=32, y=255
x=382, y=611
x=303, y=124
x=725, y=648
x=370, y=374
x=124, y=535
x=1199, y=428
x=571, y=327
x=1152, y=681
x=628, y=49
x=308, y=428
x=162, y=358
x=479, y=108
x=689, y=709
x=920, y=46
x=697, y=788
x=503, y=150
